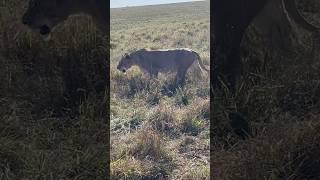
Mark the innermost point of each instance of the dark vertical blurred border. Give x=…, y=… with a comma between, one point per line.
x=211, y=88
x=16, y=138
x=108, y=90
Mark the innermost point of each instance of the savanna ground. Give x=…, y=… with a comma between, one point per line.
x=156, y=131
x=51, y=99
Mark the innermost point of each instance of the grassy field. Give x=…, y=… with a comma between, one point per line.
x=157, y=132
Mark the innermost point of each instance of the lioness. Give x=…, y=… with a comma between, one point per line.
x=231, y=18
x=162, y=60
x=44, y=15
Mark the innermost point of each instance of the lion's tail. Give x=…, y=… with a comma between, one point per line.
x=201, y=63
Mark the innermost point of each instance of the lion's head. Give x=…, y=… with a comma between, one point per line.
x=125, y=63
x=43, y=15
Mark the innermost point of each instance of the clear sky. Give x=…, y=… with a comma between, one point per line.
x=124, y=3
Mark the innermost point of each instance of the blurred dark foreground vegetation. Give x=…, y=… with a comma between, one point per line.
x=52, y=99
x=279, y=97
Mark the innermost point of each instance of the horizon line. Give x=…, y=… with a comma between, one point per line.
x=119, y=7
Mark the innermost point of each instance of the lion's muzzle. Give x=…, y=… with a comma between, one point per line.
x=44, y=30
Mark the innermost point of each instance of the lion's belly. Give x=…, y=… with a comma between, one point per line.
x=167, y=61
x=167, y=64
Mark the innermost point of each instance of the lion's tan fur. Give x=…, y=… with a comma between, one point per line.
x=162, y=60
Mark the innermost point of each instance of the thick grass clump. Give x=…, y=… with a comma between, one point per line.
x=282, y=151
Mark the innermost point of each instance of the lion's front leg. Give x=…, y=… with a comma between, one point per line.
x=152, y=73
x=180, y=78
